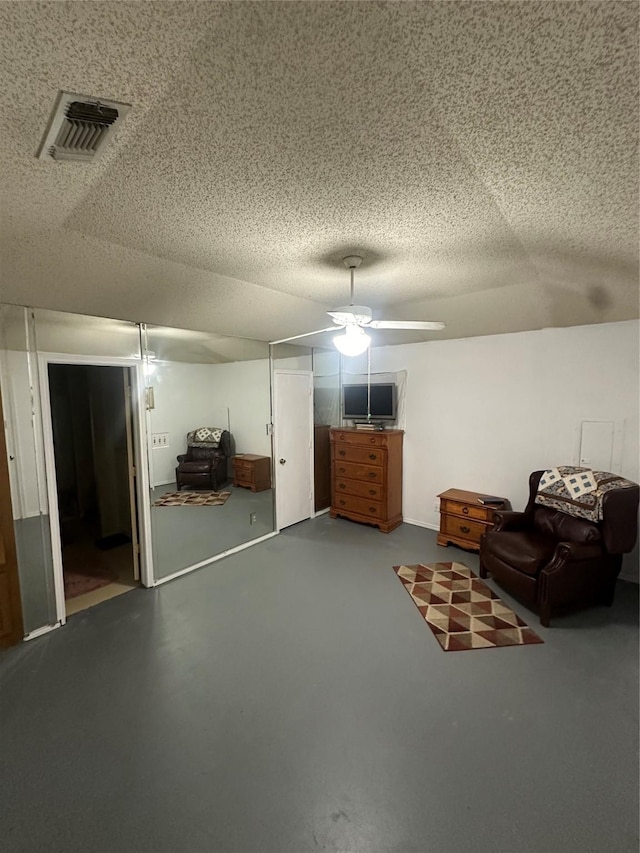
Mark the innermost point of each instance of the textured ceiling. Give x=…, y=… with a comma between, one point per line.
x=482, y=157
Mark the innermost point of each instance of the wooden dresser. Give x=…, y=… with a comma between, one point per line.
x=463, y=519
x=252, y=472
x=366, y=476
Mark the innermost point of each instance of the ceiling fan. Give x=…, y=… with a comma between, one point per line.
x=355, y=318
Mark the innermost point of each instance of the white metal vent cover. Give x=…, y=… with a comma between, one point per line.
x=79, y=127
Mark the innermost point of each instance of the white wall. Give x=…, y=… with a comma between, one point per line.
x=233, y=396
x=482, y=413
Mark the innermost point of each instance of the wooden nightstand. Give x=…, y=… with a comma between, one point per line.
x=463, y=519
x=251, y=471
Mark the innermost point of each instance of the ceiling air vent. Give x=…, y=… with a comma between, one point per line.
x=80, y=127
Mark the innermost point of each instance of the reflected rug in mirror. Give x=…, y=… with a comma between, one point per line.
x=85, y=569
x=461, y=610
x=78, y=583
x=193, y=499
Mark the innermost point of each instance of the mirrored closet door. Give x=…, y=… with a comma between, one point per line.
x=208, y=401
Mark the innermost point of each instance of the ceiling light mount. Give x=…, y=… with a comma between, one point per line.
x=352, y=262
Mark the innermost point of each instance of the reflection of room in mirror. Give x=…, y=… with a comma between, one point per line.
x=187, y=535
x=211, y=403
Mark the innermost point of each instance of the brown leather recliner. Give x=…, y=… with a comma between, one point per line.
x=204, y=465
x=552, y=561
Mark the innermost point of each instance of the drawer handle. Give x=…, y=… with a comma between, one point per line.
x=372, y=473
x=465, y=529
x=372, y=509
x=342, y=485
x=342, y=503
x=465, y=510
x=342, y=470
x=372, y=440
x=372, y=491
x=372, y=456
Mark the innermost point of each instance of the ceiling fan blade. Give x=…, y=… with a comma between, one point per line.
x=407, y=324
x=306, y=335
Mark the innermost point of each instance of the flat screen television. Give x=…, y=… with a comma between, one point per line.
x=382, y=402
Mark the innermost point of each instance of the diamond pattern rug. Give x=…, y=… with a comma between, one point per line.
x=193, y=499
x=461, y=610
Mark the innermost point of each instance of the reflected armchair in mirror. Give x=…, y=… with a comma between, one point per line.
x=205, y=464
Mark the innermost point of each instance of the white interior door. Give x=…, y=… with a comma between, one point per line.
x=293, y=444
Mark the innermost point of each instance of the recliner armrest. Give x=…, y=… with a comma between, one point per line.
x=577, y=551
x=509, y=520
x=182, y=457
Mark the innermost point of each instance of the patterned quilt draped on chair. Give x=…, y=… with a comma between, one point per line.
x=205, y=437
x=578, y=491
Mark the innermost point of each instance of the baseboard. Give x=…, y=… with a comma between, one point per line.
x=163, y=483
x=426, y=524
x=39, y=632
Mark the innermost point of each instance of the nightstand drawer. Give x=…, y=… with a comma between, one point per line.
x=483, y=513
x=246, y=475
x=462, y=528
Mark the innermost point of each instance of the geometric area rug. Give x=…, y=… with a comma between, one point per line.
x=193, y=499
x=461, y=610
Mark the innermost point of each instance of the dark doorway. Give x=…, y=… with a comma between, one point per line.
x=92, y=439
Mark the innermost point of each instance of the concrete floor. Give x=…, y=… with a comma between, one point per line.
x=290, y=698
x=184, y=536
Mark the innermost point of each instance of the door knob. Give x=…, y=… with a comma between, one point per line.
x=282, y=461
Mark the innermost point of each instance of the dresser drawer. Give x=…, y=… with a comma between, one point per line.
x=462, y=528
x=370, y=508
x=355, y=471
x=356, y=453
x=483, y=513
x=371, y=490
x=362, y=438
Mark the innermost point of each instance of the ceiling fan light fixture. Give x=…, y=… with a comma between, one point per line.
x=353, y=342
